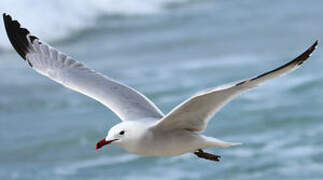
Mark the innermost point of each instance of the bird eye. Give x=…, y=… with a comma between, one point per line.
x=121, y=133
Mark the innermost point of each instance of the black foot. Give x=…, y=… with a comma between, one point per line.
x=201, y=154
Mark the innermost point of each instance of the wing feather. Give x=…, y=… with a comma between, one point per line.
x=194, y=113
x=125, y=102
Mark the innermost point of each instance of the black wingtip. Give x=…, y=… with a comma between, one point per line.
x=296, y=62
x=315, y=44
x=17, y=35
x=303, y=57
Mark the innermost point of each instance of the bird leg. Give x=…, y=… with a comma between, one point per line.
x=201, y=154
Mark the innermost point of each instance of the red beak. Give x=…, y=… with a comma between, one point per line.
x=102, y=143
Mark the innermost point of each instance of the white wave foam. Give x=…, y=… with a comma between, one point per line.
x=55, y=20
x=102, y=161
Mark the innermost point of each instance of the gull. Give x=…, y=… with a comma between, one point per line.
x=144, y=129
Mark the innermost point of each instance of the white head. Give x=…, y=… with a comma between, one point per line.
x=121, y=134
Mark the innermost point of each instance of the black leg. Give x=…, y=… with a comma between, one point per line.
x=201, y=154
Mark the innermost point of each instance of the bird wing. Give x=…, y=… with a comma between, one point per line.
x=194, y=113
x=125, y=102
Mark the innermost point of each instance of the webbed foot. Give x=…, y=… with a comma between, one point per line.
x=201, y=154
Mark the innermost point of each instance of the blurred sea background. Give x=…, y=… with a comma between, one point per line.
x=168, y=50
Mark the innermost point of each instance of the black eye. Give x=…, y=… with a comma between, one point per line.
x=121, y=133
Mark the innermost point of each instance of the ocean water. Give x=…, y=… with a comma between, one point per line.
x=169, y=50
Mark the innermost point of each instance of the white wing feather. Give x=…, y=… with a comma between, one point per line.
x=125, y=102
x=194, y=113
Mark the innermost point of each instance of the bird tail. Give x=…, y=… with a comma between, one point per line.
x=220, y=143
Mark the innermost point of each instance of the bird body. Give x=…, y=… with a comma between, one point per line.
x=142, y=138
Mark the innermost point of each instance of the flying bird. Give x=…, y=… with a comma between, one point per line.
x=143, y=129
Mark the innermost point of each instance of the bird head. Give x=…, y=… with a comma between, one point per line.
x=118, y=135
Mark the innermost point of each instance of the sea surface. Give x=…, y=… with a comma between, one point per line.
x=168, y=50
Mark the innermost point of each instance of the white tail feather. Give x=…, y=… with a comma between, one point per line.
x=220, y=143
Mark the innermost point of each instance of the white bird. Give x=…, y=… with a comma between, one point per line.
x=144, y=129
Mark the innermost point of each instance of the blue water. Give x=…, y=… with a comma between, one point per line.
x=168, y=50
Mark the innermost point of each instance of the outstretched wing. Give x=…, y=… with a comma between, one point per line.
x=124, y=101
x=194, y=113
